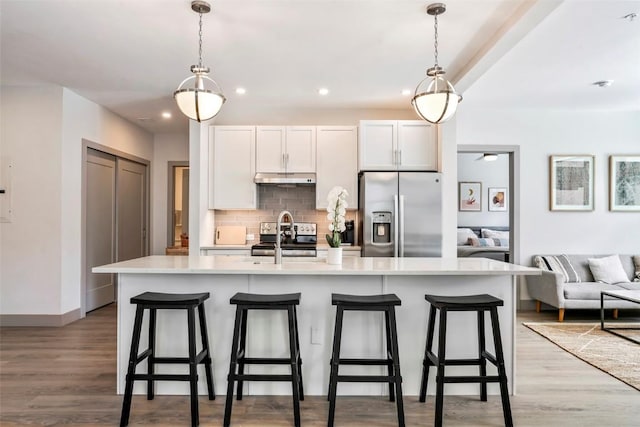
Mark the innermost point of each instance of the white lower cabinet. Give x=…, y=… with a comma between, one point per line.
x=232, y=151
x=336, y=163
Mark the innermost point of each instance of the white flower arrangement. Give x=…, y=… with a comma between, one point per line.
x=337, y=208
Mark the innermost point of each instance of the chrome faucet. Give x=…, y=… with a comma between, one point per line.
x=278, y=250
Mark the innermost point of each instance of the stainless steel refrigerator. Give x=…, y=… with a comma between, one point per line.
x=400, y=214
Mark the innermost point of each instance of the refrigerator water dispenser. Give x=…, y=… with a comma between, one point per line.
x=381, y=232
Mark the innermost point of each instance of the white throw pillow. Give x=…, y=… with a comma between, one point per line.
x=464, y=234
x=494, y=234
x=608, y=269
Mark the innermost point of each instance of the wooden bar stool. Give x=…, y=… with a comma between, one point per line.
x=245, y=302
x=153, y=301
x=386, y=304
x=479, y=304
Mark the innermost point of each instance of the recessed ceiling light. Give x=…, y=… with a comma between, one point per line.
x=241, y=90
x=602, y=83
x=406, y=92
x=323, y=91
x=166, y=115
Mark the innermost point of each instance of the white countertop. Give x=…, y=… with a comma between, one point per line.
x=231, y=264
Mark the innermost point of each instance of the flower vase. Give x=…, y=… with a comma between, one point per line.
x=334, y=256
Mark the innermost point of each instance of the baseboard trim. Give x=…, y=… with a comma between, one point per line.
x=44, y=320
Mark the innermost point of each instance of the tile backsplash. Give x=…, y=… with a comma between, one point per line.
x=300, y=200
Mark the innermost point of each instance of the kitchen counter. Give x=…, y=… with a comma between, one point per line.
x=409, y=278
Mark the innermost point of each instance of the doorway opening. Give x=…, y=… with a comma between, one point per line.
x=497, y=208
x=178, y=204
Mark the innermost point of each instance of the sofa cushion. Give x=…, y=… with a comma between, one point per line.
x=464, y=234
x=488, y=233
x=587, y=290
x=608, y=269
x=558, y=264
x=631, y=286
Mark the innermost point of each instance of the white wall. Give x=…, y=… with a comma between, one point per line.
x=489, y=174
x=42, y=132
x=168, y=147
x=31, y=123
x=541, y=134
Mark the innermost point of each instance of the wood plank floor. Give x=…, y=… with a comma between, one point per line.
x=66, y=376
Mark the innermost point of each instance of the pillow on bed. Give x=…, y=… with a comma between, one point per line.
x=474, y=241
x=464, y=234
x=494, y=234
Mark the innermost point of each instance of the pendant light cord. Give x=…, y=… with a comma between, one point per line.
x=435, y=43
x=200, y=45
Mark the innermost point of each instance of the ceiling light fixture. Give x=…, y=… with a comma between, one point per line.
x=166, y=115
x=435, y=99
x=406, y=92
x=241, y=91
x=603, y=83
x=323, y=91
x=197, y=102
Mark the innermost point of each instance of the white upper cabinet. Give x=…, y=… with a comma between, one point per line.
x=283, y=149
x=397, y=145
x=232, y=151
x=336, y=162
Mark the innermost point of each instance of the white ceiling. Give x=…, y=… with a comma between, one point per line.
x=130, y=55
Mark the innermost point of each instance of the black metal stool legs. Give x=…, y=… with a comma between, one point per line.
x=295, y=374
x=426, y=362
x=232, y=368
x=335, y=360
x=152, y=355
x=482, y=355
x=502, y=373
x=295, y=321
x=442, y=338
x=391, y=316
x=193, y=367
x=205, y=346
x=131, y=369
x=242, y=349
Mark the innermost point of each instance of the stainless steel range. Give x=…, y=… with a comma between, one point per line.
x=303, y=244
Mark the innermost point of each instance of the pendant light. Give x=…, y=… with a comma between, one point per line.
x=197, y=101
x=435, y=98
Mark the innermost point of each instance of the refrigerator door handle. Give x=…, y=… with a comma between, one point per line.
x=401, y=229
x=395, y=225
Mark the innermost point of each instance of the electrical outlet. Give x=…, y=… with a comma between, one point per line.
x=250, y=237
x=316, y=336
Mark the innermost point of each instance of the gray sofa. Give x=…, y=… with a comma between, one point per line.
x=551, y=288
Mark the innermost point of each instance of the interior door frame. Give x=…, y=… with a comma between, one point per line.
x=171, y=184
x=86, y=144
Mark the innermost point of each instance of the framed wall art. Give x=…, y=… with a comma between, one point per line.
x=571, y=182
x=624, y=183
x=497, y=199
x=470, y=196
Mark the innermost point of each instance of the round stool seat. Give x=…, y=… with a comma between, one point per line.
x=272, y=299
x=464, y=302
x=162, y=299
x=365, y=300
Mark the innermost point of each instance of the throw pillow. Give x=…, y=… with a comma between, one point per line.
x=473, y=241
x=558, y=264
x=464, y=234
x=494, y=234
x=636, y=262
x=608, y=269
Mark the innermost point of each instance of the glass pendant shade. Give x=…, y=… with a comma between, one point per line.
x=197, y=102
x=435, y=99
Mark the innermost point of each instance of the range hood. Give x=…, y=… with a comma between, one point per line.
x=285, y=178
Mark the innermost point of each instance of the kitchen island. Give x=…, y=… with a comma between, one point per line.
x=409, y=278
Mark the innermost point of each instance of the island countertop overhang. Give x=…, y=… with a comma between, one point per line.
x=238, y=265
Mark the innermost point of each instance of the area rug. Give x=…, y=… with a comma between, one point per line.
x=616, y=356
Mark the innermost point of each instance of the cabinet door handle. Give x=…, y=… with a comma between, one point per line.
x=399, y=157
x=283, y=160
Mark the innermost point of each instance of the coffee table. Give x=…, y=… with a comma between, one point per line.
x=627, y=295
